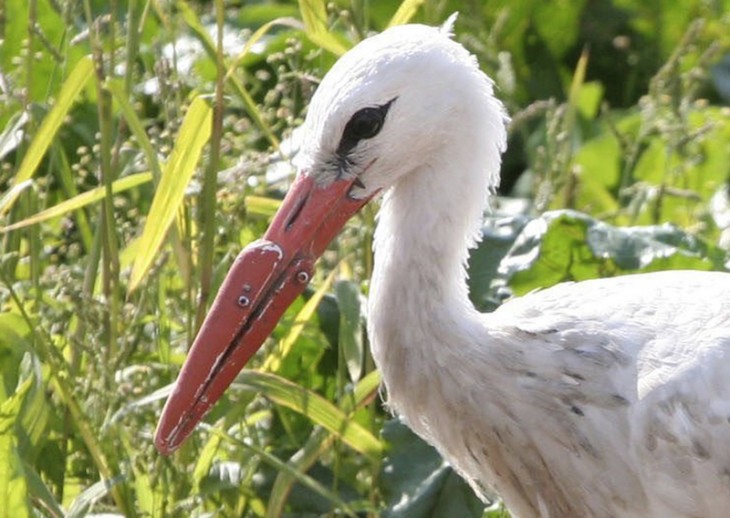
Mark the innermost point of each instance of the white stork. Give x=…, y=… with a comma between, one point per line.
x=605, y=398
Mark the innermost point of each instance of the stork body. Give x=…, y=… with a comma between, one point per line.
x=601, y=398
x=606, y=398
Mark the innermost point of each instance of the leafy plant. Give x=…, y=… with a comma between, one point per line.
x=143, y=143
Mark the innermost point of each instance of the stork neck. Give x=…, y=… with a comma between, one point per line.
x=426, y=225
x=420, y=318
x=421, y=323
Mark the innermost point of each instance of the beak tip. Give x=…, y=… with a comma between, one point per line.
x=170, y=433
x=162, y=447
x=167, y=441
x=162, y=442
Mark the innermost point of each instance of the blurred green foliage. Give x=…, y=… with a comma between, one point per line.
x=140, y=149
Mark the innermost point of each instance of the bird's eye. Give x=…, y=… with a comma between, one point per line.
x=364, y=124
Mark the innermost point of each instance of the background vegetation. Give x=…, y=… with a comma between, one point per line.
x=142, y=143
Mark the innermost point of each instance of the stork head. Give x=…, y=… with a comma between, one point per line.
x=393, y=104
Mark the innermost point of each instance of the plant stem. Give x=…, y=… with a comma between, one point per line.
x=208, y=193
x=110, y=249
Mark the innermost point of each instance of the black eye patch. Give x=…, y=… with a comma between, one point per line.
x=364, y=124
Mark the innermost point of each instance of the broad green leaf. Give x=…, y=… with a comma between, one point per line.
x=570, y=246
x=498, y=235
x=652, y=166
x=81, y=200
x=417, y=482
x=15, y=35
x=70, y=90
x=456, y=498
x=35, y=416
x=588, y=99
x=350, y=336
x=552, y=249
x=193, y=135
x=600, y=161
x=13, y=486
x=315, y=407
x=559, y=28
x=14, y=332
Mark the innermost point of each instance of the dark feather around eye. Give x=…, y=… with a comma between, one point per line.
x=364, y=124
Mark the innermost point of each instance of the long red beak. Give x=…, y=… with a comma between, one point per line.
x=264, y=280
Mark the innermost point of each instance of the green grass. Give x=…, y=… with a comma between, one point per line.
x=131, y=175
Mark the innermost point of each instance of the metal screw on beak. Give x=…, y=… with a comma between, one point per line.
x=243, y=301
x=303, y=277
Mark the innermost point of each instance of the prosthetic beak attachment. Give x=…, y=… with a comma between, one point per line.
x=264, y=280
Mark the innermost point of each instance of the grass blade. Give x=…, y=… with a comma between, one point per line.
x=116, y=87
x=193, y=135
x=314, y=15
x=9, y=197
x=76, y=81
x=256, y=36
x=262, y=206
x=191, y=19
x=350, y=339
x=80, y=201
x=82, y=504
x=319, y=442
x=41, y=494
x=12, y=135
x=316, y=408
x=282, y=466
x=405, y=12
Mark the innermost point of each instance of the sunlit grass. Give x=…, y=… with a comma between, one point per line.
x=134, y=150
